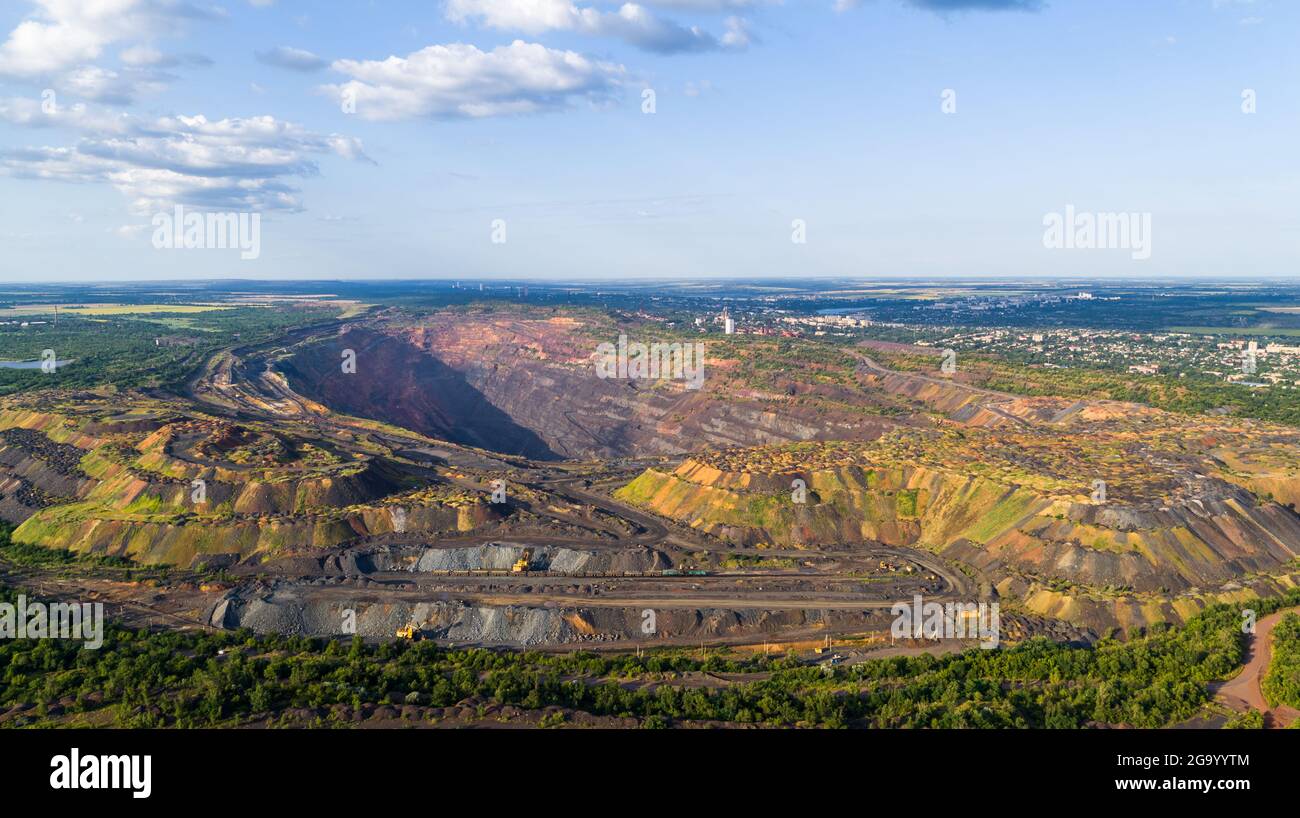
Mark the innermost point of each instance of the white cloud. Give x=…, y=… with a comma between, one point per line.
x=145, y=56
x=738, y=33
x=461, y=81
x=711, y=5
x=295, y=59
x=66, y=33
x=226, y=164
x=33, y=114
x=61, y=39
x=631, y=22
x=946, y=7
x=106, y=85
x=531, y=16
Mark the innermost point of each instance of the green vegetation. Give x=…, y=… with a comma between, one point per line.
x=39, y=556
x=752, y=562
x=1189, y=396
x=1261, y=329
x=1194, y=395
x=906, y=502
x=142, y=679
x=1250, y=720
x=117, y=348
x=1282, y=684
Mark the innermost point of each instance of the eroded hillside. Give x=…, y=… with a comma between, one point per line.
x=1095, y=516
x=161, y=483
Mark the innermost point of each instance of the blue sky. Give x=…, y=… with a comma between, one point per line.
x=531, y=112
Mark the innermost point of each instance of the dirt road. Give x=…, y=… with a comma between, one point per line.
x=1242, y=692
x=869, y=365
x=241, y=382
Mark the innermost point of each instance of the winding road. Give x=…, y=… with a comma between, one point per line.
x=1242, y=692
x=239, y=383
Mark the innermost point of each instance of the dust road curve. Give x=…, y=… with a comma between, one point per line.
x=1242, y=692
x=874, y=368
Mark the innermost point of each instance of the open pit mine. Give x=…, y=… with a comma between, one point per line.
x=470, y=480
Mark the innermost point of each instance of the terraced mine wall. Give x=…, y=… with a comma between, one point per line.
x=36, y=473
x=398, y=383
x=192, y=541
x=1180, y=557
x=286, y=610
x=93, y=493
x=40, y=456
x=502, y=394
x=504, y=556
x=908, y=507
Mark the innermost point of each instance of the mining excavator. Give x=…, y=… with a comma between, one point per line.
x=410, y=632
x=521, y=564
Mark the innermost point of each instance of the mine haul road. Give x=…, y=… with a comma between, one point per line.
x=1242, y=692
x=654, y=531
x=869, y=365
x=234, y=382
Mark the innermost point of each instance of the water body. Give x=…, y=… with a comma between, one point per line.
x=31, y=364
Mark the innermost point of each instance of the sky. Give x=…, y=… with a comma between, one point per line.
x=664, y=138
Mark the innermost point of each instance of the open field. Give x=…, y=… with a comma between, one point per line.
x=1259, y=329
x=144, y=309
x=110, y=309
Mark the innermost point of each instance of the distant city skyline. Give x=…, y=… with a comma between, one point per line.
x=585, y=141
